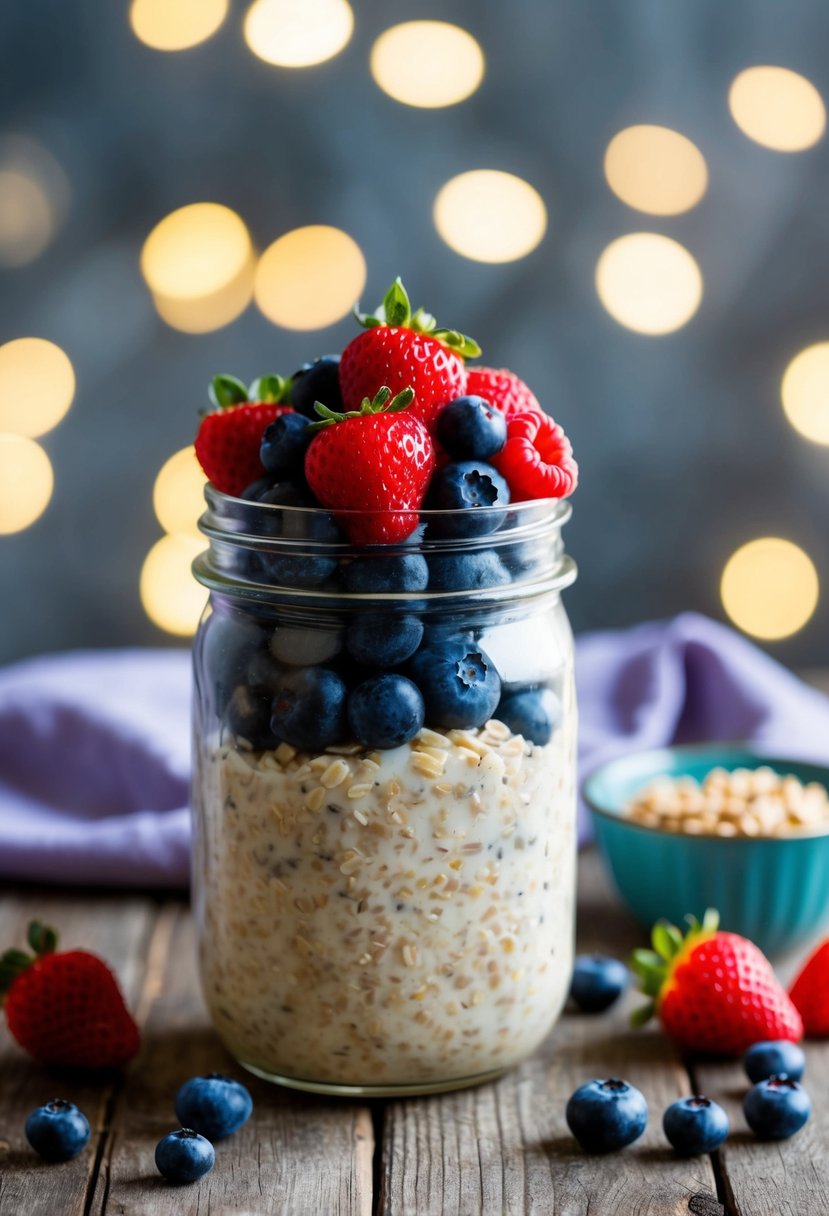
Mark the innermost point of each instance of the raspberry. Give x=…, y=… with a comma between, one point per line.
x=537, y=459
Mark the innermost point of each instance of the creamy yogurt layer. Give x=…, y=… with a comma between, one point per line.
x=396, y=917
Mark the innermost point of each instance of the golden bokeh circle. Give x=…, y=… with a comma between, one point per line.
x=427, y=63
x=26, y=482
x=310, y=277
x=777, y=108
x=490, y=216
x=769, y=588
x=649, y=283
x=37, y=385
x=655, y=169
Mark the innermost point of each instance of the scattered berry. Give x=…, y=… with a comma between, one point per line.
x=385, y=711
x=184, y=1156
x=67, y=1008
x=57, y=1131
x=777, y=1108
x=469, y=428
x=229, y=439
x=532, y=712
x=316, y=381
x=379, y=639
x=367, y=575
x=714, y=991
x=214, y=1106
x=467, y=571
x=375, y=463
x=502, y=389
x=810, y=993
x=597, y=982
x=284, y=444
x=774, y=1059
x=467, y=487
x=459, y=683
x=537, y=459
x=606, y=1115
x=695, y=1126
x=402, y=349
x=309, y=709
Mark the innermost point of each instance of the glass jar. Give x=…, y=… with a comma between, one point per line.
x=382, y=917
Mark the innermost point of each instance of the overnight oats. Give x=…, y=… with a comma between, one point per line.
x=384, y=800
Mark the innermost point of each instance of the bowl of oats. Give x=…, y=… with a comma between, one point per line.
x=685, y=828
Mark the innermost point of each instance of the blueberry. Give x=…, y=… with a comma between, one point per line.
x=317, y=381
x=367, y=575
x=57, y=1131
x=305, y=568
x=299, y=647
x=284, y=444
x=227, y=645
x=774, y=1058
x=470, y=429
x=184, y=1156
x=466, y=571
x=248, y=715
x=533, y=712
x=459, y=683
x=470, y=488
x=606, y=1115
x=215, y=1106
x=695, y=1126
x=597, y=982
x=379, y=639
x=257, y=489
x=309, y=709
x=385, y=711
x=776, y=1108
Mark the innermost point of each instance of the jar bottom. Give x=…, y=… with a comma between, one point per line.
x=407, y=1090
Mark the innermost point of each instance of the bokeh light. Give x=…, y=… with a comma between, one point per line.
x=427, y=63
x=37, y=384
x=805, y=392
x=26, y=482
x=655, y=169
x=298, y=33
x=769, y=588
x=206, y=313
x=34, y=193
x=649, y=283
x=171, y=597
x=310, y=277
x=175, y=25
x=777, y=108
x=490, y=216
x=178, y=493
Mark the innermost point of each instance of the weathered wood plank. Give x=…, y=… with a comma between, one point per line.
x=117, y=927
x=297, y=1155
x=505, y=1147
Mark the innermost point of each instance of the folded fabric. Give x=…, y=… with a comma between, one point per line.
x=95, y=746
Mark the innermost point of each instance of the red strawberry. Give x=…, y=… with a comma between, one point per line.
x=65, y=1009
x=400, y=349
x=810, y=993
x=537, y=459
x=504, y=390
x=714, y=991
x=376, y=461
x=228, y=441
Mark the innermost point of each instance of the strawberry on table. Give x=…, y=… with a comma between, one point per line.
x=505, y=391
x=65, y=1008
x=810, y=993
x=402, y=349
x=537, y=459
x=713, y=991
x=229, y=438
x=376, y=462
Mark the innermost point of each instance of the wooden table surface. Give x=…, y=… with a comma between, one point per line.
x=503, y=1147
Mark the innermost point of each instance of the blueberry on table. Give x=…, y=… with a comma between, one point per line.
x=467, y=571
x=606, y=1115
x=317, y=381
x=284, y=444
x=466, y=487
x=776, y=1108
x=695, y=1126
x=309, y=709
x=597, y=982
x=214, y=1106
x=385, y=711
x=386, y=575
x=775, y=1057
x=57, y=1131
x=532, y=712
x=184, y=1156
x=459, y=683
x=378, y=639
x=470, y=429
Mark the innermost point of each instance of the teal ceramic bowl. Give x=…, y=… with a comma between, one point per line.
x=772, y=890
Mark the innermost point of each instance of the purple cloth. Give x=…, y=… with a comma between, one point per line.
x=95, y=747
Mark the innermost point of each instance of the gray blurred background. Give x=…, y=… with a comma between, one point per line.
x=684, y=449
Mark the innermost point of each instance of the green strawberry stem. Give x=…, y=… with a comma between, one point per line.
x=383, y=403
x=654, y=967
x=226, y=391
x=42, y=939
x=396, y=310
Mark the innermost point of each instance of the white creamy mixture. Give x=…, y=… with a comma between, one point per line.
x=390, y=918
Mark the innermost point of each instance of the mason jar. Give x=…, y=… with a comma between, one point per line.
x=384, y=794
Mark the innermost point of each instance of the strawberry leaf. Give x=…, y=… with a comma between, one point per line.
x=273, y=389
x=462, y=345
x=42, y=938
x=225, y=391
x=396, y=307
x=396, y=310
x=666, y=939
x=641, y=1016
x=12, y=964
